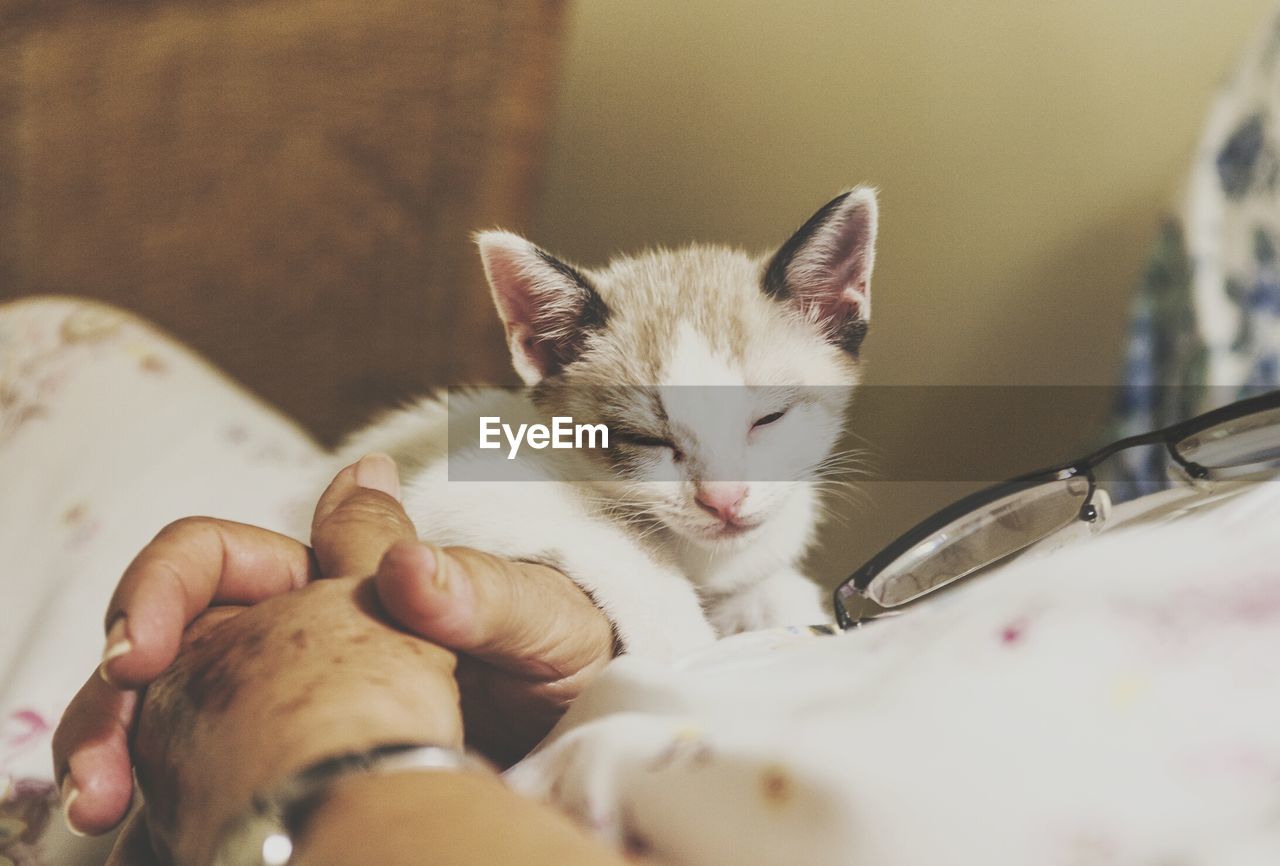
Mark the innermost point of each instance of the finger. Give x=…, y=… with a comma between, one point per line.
x=91, y=757
x=189, y=565
x=372, y=472
x=525, y=618
x=358, y=518
x=197, y=561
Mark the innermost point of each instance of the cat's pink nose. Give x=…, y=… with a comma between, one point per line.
x=722, y=498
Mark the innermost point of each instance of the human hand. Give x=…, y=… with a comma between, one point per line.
x=530, y=639
x=258, y=693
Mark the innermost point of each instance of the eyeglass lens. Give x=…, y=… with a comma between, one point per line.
x=980, y=538
x=1253, y=440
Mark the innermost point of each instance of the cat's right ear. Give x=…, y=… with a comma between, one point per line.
x=824, y=269
x=547, y=307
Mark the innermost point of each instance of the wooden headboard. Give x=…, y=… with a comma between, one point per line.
x=287, y=185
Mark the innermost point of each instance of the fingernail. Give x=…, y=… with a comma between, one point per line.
x=378, y=472
x=118, y=644
x=69, y=794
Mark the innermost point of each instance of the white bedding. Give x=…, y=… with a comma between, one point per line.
x=1113, y=702
x=1116, y=701
x=108, y=431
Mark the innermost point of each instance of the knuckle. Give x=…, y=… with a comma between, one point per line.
x=364, y=508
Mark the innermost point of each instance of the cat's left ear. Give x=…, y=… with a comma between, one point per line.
x=824, y=269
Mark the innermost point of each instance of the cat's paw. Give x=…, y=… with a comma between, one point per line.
x=784, y=598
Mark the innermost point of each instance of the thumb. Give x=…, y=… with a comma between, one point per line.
x=358, y=517
x=525, y=618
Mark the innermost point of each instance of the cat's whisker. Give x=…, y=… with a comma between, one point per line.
x=842, y=517
x=854, y=463
x=853, y=497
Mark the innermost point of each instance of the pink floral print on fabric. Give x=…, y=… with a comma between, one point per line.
x=21, y=732
x=22, y=728
x=38, y=353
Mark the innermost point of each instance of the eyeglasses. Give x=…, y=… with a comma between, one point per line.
x=993, y=524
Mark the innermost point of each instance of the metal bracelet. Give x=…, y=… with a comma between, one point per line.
x=263, y=835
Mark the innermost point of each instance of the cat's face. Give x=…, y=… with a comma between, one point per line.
x=723, y=377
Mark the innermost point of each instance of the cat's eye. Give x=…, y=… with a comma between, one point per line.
x=641, y=441
x=768, y=419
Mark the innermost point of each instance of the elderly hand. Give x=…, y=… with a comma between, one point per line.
x=528, y=638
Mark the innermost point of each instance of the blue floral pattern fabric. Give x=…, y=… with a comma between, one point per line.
x=1205, y=326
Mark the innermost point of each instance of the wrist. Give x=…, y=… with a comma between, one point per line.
x=240, y=760
x=391, y=820
x=267, y=832
x=460, y=818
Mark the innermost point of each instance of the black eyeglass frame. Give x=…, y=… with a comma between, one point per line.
x=1169, y=436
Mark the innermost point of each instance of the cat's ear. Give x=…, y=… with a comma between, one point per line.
x=548, y=307
x=824, y=269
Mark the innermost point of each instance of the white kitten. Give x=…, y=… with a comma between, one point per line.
x=723, y=379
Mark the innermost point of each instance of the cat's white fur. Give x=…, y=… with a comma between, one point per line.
x=669, y=573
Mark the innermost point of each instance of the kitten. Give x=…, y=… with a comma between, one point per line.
x=660, y=528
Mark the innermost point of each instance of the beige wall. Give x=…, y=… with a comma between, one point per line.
x=1023, y=150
